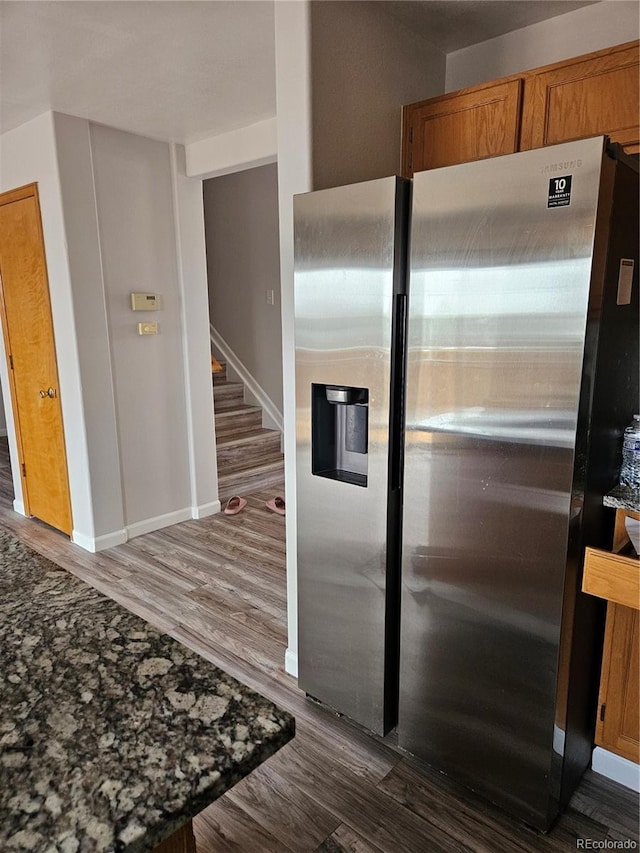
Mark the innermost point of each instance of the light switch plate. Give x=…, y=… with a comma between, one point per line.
x=147, y=328
x=144, y=302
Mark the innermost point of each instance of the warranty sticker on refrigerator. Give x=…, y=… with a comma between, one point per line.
x=559, y=192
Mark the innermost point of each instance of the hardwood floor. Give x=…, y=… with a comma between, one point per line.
x=218, y=586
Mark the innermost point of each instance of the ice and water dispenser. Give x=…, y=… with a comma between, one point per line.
x=340, y=433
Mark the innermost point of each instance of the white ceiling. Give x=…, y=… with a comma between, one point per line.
x=181, y=70
x=169, y=70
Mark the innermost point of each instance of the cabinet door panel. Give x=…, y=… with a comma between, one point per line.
x=587, y=97
x=462, y=127
x=619, y=732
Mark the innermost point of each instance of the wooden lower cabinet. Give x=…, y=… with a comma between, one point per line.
x=616, y=578
x=618, y=725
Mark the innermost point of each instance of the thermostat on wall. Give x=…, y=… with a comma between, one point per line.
x=144, y=302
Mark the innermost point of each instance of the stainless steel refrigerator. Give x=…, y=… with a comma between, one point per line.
x=350, y=299
x=522, y=367
x=517, y=368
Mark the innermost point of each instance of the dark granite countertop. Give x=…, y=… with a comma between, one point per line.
x=112, y=734
x=623, y=497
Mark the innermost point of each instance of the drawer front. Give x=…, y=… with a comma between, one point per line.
x=612, y=577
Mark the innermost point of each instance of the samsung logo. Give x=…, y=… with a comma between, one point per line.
x=561, y=166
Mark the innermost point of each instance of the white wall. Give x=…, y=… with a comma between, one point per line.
x=133, y=186
x=243, y=148
x=293, y=99
x=192, y=283
x=73, y=147
x=364, y=66
x=28, y=154
x=587, y=29
x=119, y=214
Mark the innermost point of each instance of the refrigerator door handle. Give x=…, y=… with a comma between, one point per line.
x=396, y=424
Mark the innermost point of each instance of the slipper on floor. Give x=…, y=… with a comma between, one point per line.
x=234, y=505
x=276, y=505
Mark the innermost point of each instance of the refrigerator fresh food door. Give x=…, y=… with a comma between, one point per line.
x=501, y=261
x=349, y=288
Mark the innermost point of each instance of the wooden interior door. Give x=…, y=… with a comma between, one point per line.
x=27, y=326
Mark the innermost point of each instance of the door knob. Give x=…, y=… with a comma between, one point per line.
x=50, y=392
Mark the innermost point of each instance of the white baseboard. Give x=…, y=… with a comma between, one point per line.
x=148, y=525
x=18, y=507
x=205, y=510
x=99, y=543
x=271, y=415
x=615, y=767
x=291, y=663
x=119, y=537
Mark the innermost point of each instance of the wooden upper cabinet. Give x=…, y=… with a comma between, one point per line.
x=586, y=96
x=467, y=125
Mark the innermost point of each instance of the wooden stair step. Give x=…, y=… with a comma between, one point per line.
x=269, y=474
x=228, y=391
x=228, y=397
x=255, y=433
x=249, y=446
x=237, y=421
x=238, y=466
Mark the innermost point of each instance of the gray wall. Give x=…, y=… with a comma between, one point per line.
x=581, y=31
x=75, y=167
x=364, y=66
x=243, y=263
x=137, y=239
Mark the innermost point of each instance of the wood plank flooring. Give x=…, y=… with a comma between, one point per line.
x=218, y=586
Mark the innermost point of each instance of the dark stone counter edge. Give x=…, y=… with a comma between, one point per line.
x=623, y=497
x=171, y=824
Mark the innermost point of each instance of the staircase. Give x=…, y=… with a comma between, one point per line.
x=249, y=457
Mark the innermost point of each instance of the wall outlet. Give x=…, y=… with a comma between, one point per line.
x=271, y=299
x=147, y=328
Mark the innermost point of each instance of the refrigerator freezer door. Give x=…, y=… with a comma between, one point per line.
x=499, y=286
x=345, y=241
